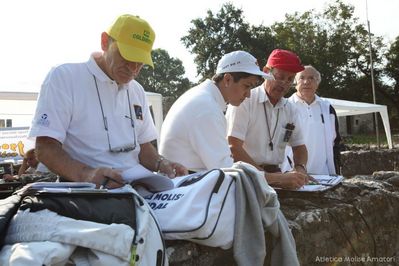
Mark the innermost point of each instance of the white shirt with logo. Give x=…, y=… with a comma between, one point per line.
x=69, y=111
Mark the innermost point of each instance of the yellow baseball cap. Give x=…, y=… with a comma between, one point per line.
x=134, y=37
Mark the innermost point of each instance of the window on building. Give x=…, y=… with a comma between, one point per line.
x=5, y=123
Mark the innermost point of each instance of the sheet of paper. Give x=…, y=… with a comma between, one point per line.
x=137, y=172
x=325, y=182
x=63, y=185
x=328, y=179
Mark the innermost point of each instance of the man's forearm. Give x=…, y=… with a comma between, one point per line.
x=149, y=156
x=239, y=153
x=49, y=151
x=23, y=167
x=300, y=154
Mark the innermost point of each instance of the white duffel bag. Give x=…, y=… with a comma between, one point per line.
x=201, y=209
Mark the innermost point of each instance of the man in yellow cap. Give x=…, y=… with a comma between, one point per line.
x=92, y=119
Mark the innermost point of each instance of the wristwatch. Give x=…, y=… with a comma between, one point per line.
x=159, y=163
x=303, y=166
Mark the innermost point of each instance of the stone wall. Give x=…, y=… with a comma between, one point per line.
x=365, y=162
x=355, y=223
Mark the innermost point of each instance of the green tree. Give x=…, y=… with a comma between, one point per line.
x=337, y=45
x=215, y=35
x=167, y=77
x=392, y=72
x=333, y=40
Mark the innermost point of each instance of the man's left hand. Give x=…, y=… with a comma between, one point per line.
x=172, y=169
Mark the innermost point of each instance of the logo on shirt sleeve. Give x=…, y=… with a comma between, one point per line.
x=43, y=120
x=138, y=111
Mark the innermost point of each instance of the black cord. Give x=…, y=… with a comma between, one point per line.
x=340, y=227
x=343, y=232
x=364, y=220
x=271, y=137
x=336, y=220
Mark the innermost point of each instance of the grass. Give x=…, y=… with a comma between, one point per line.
x=369, y=139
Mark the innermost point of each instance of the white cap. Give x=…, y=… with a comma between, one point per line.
x=240, y=61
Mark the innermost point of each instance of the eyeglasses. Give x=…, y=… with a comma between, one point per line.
x=282, y=78
x=124, y=148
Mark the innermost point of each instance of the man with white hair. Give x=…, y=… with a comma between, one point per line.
x=319, y=124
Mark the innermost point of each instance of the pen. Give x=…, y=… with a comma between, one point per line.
x=312, y=183
x=289, y=161
x=107, y=179
x=105, y=182
x=327, y=185
x=322, y=118
x=312, y=180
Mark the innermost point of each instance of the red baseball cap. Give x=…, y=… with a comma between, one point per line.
x=285, y=60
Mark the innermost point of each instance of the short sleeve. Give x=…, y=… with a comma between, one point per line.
x=238, y=120
x=297, y=138
x=54, y=106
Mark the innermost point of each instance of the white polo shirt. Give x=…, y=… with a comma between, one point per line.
x=247, y=122
x=68, y=110
x=194, y=130
x=319, y=133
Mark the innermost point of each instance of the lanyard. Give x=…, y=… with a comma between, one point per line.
x=119, y=149
x=271, y=136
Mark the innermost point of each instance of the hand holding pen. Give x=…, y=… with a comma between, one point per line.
x=105, y=178
x=309, y=179
x=108, y=179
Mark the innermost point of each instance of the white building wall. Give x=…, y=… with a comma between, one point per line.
x=20, y=111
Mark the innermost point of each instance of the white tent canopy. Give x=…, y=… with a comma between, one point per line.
x=345, y=108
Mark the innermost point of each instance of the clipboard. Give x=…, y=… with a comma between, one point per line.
x=325, y=183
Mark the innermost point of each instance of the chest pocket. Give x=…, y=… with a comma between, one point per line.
x=138, y=112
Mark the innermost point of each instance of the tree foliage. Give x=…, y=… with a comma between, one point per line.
x=167, y=77
x=217, y=34
x=392, y=72
x=337, y=45
x=333, y=41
